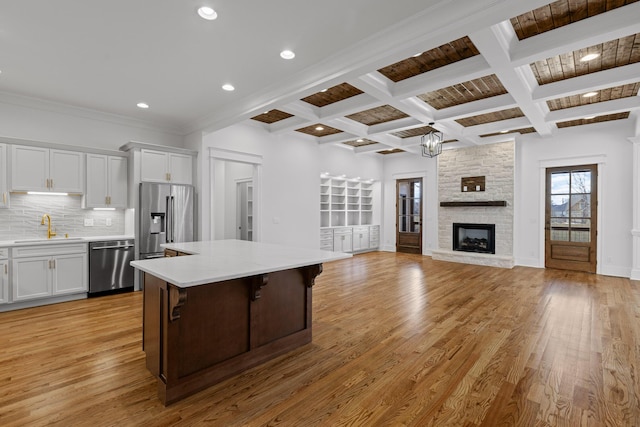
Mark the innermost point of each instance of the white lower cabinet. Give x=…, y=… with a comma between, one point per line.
x=350, y=239
x=360, y=238
x=4, y=276
x=326, y=239
x=47, y=271
x=342, y=239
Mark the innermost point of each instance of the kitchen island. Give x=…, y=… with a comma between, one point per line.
x=225, y=307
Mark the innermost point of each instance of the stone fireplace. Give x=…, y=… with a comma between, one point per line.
x=492, y=204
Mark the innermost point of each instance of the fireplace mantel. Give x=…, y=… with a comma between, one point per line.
x=473, y=203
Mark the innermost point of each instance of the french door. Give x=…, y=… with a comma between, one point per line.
x=409, y=215
x=571, y=218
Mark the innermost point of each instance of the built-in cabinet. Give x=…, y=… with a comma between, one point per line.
x=350, y=239
x=4, y=275
x=46, y=170
x=106, y=181
x=346, y=215
x=48, y=270
x=160, y=166
x=4, y=188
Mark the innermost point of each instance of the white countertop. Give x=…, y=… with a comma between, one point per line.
x=219, y=260
x=60, y=240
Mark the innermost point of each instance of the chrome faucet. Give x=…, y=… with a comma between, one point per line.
x=50, y=233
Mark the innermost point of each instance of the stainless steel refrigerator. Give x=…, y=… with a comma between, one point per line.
x=166, y=216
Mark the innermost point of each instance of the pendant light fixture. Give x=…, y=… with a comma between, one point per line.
x=431, y=142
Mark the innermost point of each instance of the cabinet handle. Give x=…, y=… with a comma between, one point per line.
x=49, y=264
x=47, y=184
x=168, y=176
x=109, y=199
x=4, y=198
x=54, y=263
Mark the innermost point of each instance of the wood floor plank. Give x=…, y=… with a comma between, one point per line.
x=398, y=339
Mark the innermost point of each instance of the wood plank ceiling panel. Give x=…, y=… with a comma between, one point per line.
x=461, y=93
x=375, y=116
x=496, y=116
x=272, y=116
x=440, y=56
x=333, y=94
x=608, y=94
x=614, y=53
x=319, y=130
x=392, y=151
x=598, y=119
x=561, y=13
x=360, y=142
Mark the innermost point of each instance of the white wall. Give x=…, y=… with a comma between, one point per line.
x=27, y=119
x=605, y=144
x=401, y=166
x=291, y=167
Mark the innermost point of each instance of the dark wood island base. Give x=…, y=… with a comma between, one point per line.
x=197, y=336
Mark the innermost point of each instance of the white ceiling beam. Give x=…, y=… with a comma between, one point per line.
x=288, y=125
x=302, y=109
x=394, y=126
x=370, y=148
x=348, y=125
x=458, y=72
x=493, y=127
x=595, y=81
x=474, y=108
x=348, y=106
x=617, y=23
x=595, y=109
x=336, y=138
x=493, y=44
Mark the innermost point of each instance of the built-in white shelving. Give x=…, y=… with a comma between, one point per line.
x=346, y=215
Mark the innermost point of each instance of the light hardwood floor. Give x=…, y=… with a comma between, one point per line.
x=399, y=339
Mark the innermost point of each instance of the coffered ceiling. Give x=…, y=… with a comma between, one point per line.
x=369, y=75
x=525, y=74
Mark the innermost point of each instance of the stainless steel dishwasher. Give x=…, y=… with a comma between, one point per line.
x=109, y=268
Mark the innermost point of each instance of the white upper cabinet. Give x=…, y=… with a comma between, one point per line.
x=4, y=190
x=159, y=166
x=43, y=169
x=106, y=181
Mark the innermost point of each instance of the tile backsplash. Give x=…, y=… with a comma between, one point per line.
x=22, y=219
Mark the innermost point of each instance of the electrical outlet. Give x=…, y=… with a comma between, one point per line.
x=107, y=222
x=88, y=222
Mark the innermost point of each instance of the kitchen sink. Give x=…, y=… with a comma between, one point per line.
x=54, y=240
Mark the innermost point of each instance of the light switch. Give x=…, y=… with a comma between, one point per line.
x=107, y=222
x=88, y=222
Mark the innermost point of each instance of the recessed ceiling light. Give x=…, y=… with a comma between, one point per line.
x=589, y=94
x=590, y=117
x=228, y=87
x=142, y=105
x=504, y=131
x=360, y=140
x=589, y=57
x=319, y=128
x=417, y=54
x=287, y=54
x=207, y=13
x=324, y=90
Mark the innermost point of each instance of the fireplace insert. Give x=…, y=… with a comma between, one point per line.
x=474, y=238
